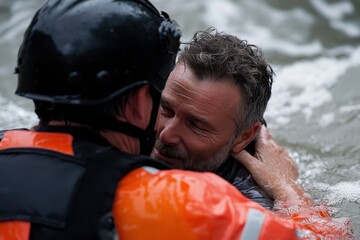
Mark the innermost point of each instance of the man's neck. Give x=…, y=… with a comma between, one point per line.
x=121, y=141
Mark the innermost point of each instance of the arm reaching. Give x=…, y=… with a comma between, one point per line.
x=175, y=204
x=274, y=170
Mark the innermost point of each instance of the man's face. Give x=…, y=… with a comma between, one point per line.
x=196, y=123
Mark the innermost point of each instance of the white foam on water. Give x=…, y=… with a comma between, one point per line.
x=326, y=119
x=340, y=50
x=14, y=116
x=349, y=191
x=310, y=79
x=351, y=29
x=303, y=86
x=300, y=87
x=350, y=108
x=266, y=29
x=219, y=13
x=272, y=35
x=335, y=12
x=21, y=14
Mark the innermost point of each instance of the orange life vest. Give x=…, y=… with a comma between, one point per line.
x=173, y=204
x=170, y=204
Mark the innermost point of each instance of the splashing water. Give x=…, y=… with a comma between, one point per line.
x=314, y=111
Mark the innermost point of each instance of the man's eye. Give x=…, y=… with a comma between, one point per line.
x=166, y=112
x=195, y=126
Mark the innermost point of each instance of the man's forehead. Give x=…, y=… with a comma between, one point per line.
x=183, y=79
x=206, y=95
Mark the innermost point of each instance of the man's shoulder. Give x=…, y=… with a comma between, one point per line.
x=230, y=169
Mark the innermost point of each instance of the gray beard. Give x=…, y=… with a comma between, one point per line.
x=206, y=163
x=199, y=164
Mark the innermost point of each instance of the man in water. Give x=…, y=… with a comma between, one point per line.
x=213, y=106
x=211, y=110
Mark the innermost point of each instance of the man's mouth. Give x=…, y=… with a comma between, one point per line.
x=174, y=162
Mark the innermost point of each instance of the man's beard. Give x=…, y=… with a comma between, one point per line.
x=203, y=163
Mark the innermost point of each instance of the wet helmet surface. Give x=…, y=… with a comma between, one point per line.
x=87, y=52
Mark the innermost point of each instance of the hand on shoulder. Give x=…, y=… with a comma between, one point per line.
x=272, y=168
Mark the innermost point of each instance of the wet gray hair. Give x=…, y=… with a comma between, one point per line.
x=218, y=56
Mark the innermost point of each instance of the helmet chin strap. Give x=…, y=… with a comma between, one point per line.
x=146, y=136
x=147, y=144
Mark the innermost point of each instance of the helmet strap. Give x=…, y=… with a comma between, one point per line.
x=146, y=136
x=147, y=143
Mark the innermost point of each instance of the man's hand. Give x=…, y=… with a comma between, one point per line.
x=272, y=168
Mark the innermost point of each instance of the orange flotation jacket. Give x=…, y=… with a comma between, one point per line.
x=193, y=206
x=60, y=184
x=71, y=184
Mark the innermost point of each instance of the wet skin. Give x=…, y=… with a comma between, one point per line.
x=196, y=122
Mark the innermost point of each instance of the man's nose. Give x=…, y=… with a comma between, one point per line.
x=170, y=133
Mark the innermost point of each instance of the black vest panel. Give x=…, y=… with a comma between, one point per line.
x=37, y=185
x=64, y=197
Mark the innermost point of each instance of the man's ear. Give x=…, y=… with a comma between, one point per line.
x=245, y=137
x=138, y=107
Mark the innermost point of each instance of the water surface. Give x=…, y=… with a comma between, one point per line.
x=314, y=48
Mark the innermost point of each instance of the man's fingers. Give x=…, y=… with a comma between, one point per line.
x=246, y=159
x=264, y=134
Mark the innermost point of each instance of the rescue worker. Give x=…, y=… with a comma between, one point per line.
x=95, y=70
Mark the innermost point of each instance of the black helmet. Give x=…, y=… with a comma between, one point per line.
x=87, y=52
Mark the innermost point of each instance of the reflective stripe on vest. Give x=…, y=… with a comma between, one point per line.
x=253, y=225
x=151, y=170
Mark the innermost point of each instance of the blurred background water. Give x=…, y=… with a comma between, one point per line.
x=314, y=48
